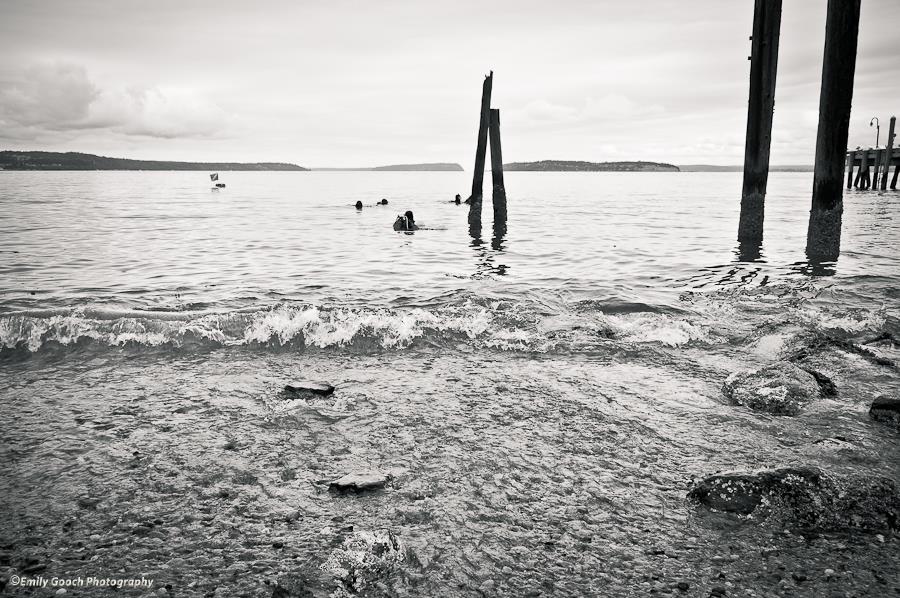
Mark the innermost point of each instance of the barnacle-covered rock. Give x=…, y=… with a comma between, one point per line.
x=363, y=559
x=780, y=389
x=804, y=496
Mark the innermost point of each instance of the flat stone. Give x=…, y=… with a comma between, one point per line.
x=309, y=388
x=359, y=481
x=886, y=409
x=779, y=389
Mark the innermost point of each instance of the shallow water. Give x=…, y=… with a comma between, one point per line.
x=542, y=398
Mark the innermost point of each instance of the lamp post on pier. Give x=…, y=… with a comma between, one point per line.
x=877, y=130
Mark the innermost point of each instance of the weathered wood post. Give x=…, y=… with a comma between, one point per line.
x=876, y=167
x=823, y=237
x=499, y=190
x=763, y=67
x=896, y=172
x=480, y=150
x=851, y=160
x=889, y=149
x=859, y=154
x=864, y=171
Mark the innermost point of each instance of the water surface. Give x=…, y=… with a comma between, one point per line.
x=542, y=396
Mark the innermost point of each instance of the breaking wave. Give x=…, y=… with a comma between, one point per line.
x=500, y=325
x=538, y=325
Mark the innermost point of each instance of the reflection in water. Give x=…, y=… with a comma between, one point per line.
x=499, y=235
x=815, y=268
x=749, y=251
x=486, y=258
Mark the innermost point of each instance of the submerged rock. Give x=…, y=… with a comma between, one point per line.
x=804, y=496
x=309, y=388
x=359, y=481
x=364, y=559
x=780, y=389
x=887, y=410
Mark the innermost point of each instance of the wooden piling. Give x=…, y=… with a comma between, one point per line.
x=864, y=171
x=823, y=238
x=887, y=155
x=481, y=146
x=760, y=110
x=851, y=162
x=896, y=172
x=876, y=168
x=480, y=149
x=499, y=191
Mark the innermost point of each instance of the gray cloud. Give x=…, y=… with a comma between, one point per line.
x=350, y=83
x=45, y=99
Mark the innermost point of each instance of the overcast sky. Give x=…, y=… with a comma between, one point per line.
x=343, y=83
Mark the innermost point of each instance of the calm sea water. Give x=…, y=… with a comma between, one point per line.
x=542, y=397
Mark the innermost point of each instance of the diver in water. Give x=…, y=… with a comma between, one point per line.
x=383, y=202
x=405, y=222
x=457, y=200
x=359, y=205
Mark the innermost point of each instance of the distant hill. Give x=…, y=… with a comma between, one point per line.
x=14, y=160
x=732, y=168
x=578, y=166
x=434, y=166
x=431, y=167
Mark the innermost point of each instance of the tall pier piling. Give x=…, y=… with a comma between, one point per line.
x=823, y=238
x=480, y=151
x=761, y=106
x=499, y=190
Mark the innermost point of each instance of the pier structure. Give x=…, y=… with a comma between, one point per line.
x=835, y=98
x=873, y=166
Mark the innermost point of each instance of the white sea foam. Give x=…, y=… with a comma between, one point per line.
x=659, y=328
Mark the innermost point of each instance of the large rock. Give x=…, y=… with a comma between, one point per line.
x=780, y=389
x=359, y=481
x=887, y=410
x=804, y=496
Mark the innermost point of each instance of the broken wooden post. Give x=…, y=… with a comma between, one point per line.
x=480, y=149
x=889, y=149
x=823, y=237
x=763, y=67
x=499, y=190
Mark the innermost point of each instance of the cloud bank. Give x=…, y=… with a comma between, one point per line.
x=47, y=100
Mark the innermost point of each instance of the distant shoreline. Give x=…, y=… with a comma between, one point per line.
x=736, y=168
x=582, y=166
x=76, y=161
x=16, y=160
x=426, y=167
